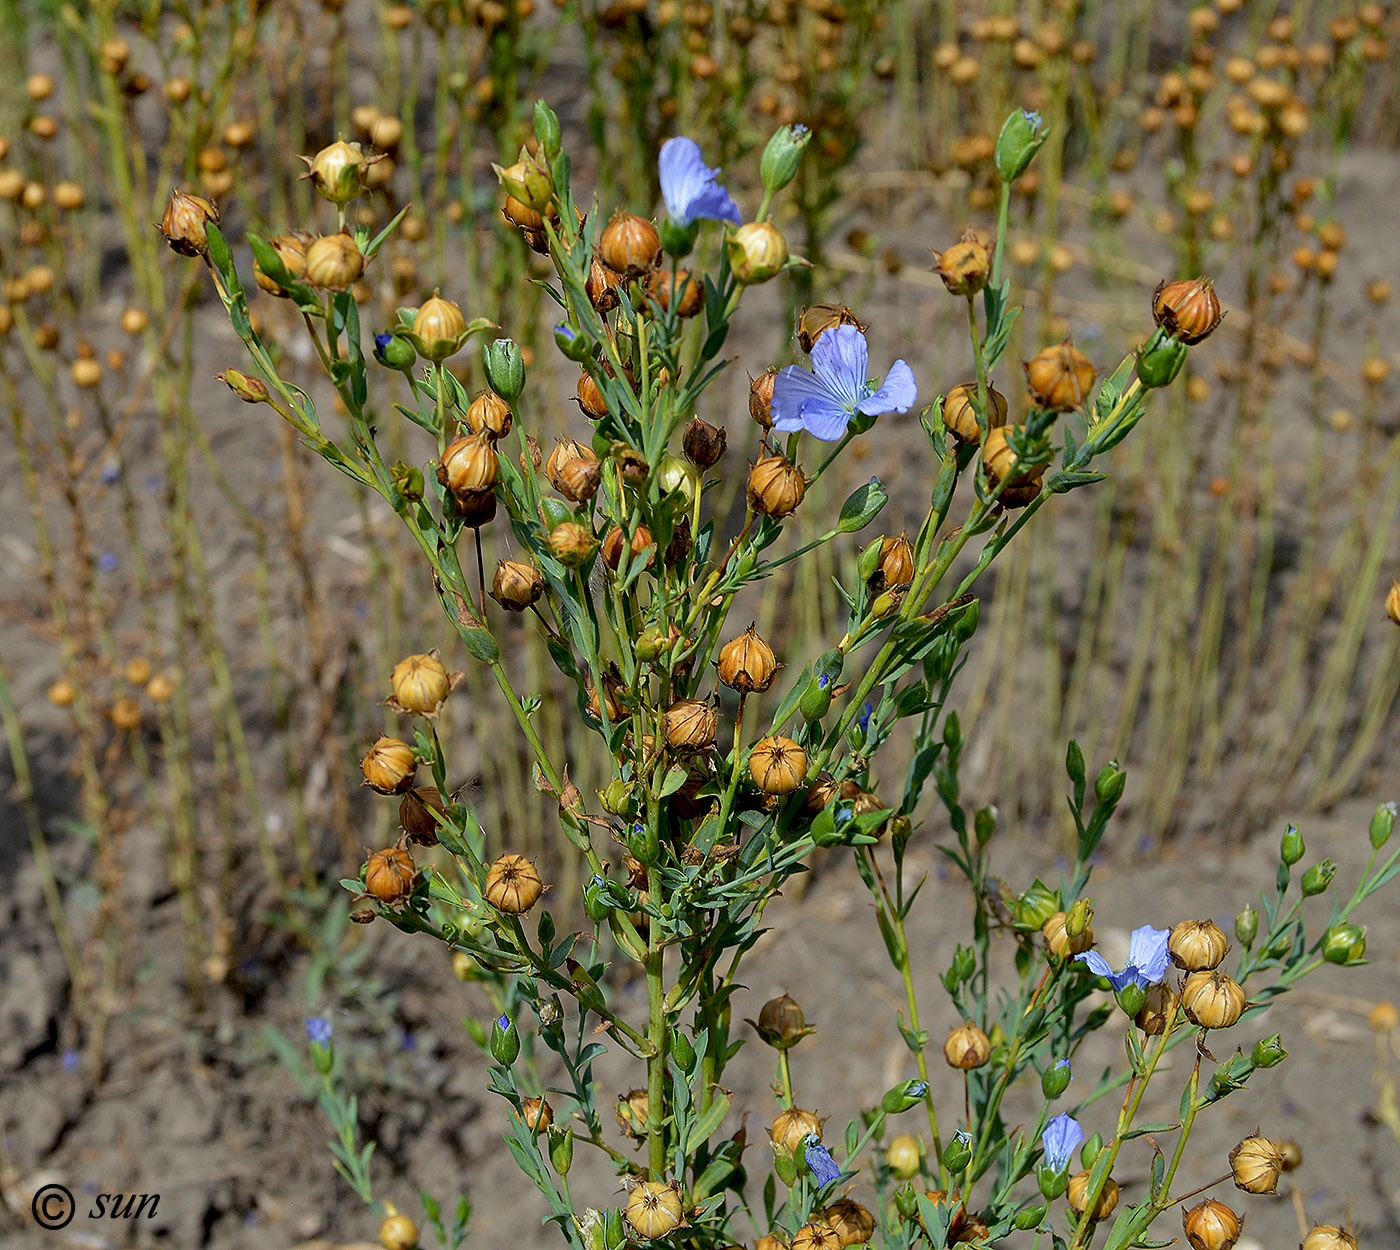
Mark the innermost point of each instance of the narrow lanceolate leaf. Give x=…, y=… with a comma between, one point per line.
x=862, y=507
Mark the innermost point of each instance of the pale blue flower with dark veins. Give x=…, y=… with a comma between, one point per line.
x=1147, y=960
x=824, y=400
x=689, y=186
x=819, y=1161
x=1062, y=1137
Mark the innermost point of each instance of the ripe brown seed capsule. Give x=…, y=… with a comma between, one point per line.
x=334, y=262
x=537, y=1114
x=468, y=465
x=184, y=222
x=967, y=1047
x=590, y=397
x=420, y=684
x=565, y=449
x=1157, y=1009
x=291, y=251
x=960, y=411
x=964, y=267
x=778, y=765
x=489, y=414
x=850, y=1221
x=1188, y=310
x=1078, y=1195
x=389, y=766
x=1058, y=940
x=654, y=1209
x=747, y=663
x=1256, y=1164
x=793, y=1127
x=690, y=725
x=688, y=294
x=761, y=397
x=616, y=541
x=601, y=287
x=1060, y=377
x=416, y=814
x=512, y=885
x=1328, y=1237
x=579, y=479
x=896, y=561
x=776, y=486
x=389, y=875
x=630, y=245
x=517, y=585
x=397, y=1231
x=1212, y=1000
x=818, y=1235
x=440, y=326
x=1001, y=463
x=1211, y=1225
x=1197, y=945
x=573, y=545
x=703, y=443
x=782, y=1023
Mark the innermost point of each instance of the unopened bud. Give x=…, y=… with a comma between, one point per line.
x=1344, y=944
x=1318, y=878
x=1021, y=137
x=1382, y=823
x=505, y=1041
x=781, y=157
x=505, y=369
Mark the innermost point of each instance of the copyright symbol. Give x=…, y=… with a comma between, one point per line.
x=53, y=1207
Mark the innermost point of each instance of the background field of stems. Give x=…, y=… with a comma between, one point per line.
x=1214, y=614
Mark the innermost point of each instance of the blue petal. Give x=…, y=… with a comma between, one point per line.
x=1062, y=1137
x=1096, y=963
x=688, y=185
x=896, y=395
x=819, y=1161
x=841, y=359
x=801, y=401
x=1148, y=953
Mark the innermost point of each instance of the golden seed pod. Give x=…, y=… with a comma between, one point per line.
x=537, y=1114
x=1212, y=1000
x=389, y=766
x=782, y=1023
x=1157, y=1008
x=896, y=561
x=967, y=1047
x=688, y=293
x=126, y=713
x=818, y=1235
x=776, y=486
x=397, y=1232
x=184, y=221
x=39, y=87
x=1256, y=1164
x=850, y=1221
x=616, y=542
x=757, y=251
x=291, y=251
x=441, y=328
x=1060, y=377
x=960, y=411
x=1328, y=1237
x=690, y=725
x=760, y=395
x=489, y=414
x=1292, y=1154
x=629, y=245
x=7, y=319
x=334, y=262
x=522, y=216
x=62, y=693
x=747, y=663
x=965, y=266
x=416, y=814
x=160, y=689
x=573, y=545
x=778, y=765
x=602, y=286
x=1392, y=602
x=590, y=396
x=389, y=875
x=903, y=1156
x=517, y=585
x=34, y=196
x=580, y=478
x=1211, y=1225
x=512, y=885
x=704, y=444
x=565, y=449
x=86, y=373
x=68, y=196
x=1058, y=940
x=337, y=171
x=1197, y=945
x=793, y=1127
x=1188, y=310
x=632, y=1112
x=420, y=684
x=1078, y=1195
x=654, y=1209
x=469, y=465
x=1001, y=463
x=11, y=184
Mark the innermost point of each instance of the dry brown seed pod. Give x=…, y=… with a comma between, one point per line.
x=1328, y=1237
x=184, y=221
x=632, y=1112
x=1058, y=940
x=760, y=394
x=782, y=1023
x=390, y=875
x=896, y=561
x=1059, y=377
x=654, y=1209
x=1078, y=1195
x=630, y=245
x=690, y=725
x=792, y=1128
x=565, y=449
x=512, y=885
x=818, y=1235
x=537, y=1114
x=440, y=326
x=747, y=663
x=1211, y=1225
x=1197, y=945
x=389, y=766
x=1256, y=1164
x=334, y=262
x=967, y=1047
x=1188, y=310
x=960, y=413
x=469, y=464
x=776, y=486
x=778, y=765
x=964, y=267
x=489, y=414
x=416, y=814
x=1212, y=1000
x=689, y=295
x=420, y=684
x=852, y=1223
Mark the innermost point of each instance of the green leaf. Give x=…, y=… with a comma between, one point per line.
x=1062, y=482
x=862, y=507
x=703, y=1126
x=481, y=644
x=1142, y=1129
x=674, y=780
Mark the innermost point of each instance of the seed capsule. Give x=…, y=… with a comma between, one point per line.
x=1002, y=463
x=334, y=262
x=1060, y=377
x=1328, y=1237
x=757, y=251
x=1078, y=1195
x=850, y=1221
x=1197, y=945
x=792, y=1128
x=964, y=267
x=782, y=1023
x=1058, y=940
x=489, y=414
x=602, y=286
x=1157, y=1009
x=420, y=684
x=776, y=486
x=967, y=1047
x=818, y=1235
x=688, y=294
x=1211, y=1225
x=184, y=222
x=440, y=327
x=960, y=412
x=416, y=814
x=896, y=561
x=616, y=541
x=778, y=765
x=1256, y=1164
x=703, y=443
x=291, y=251
x=630, y=245
x=632, y=1112
x=565, y=450
x=903, y=1156
x=747, y=663
x=337, y=171
x=690, y=725
x=397, y=1231
x=761, y=397
x=512, y=885
x=517, y=585
x=1212, y=1000
x=537, y=1114
x=1188, y=310
x=573, y=545
x=469, y=464
x=389, y=766
x=389, y=875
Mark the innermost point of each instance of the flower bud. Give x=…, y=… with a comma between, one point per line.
x=249, y=390
x=1255, y=1165
x=1159, y=360
x=573, y=545
x=440, y=328
x=958, y=1153
x=1344, y=944
x=960, y=411
x=577, y=347
x=781, y=156
x=630, y=245
x=1060, y=377
x=903, y=1096
x=420, y=684
x=1212, y=1000
x=703, y=443
x=334, y=262
x=1318, y=878
x=1077, y=1192
x=393, y=351
x=390, y=875
x=1079, y=917
x=517, y=585
x=1109, y=784
x=529, y=181
x=964, y=267
x=1291, y=848
x=1196, y=945
x=1382, y=825
x=561, y=1149
x=747, y=663
x=1268, y=1052
x=505, y=1041
x=1021, y=137
x=389, y=766
x=782, y=1023
x=1247, y=925
x=967, y=1047
x=819, y=318
x=1055, y=1079
x=184, y=221
x=397, y=1231
x=512, y=885
x=1211, y=1225
x=505, y=368
x=777, y=765
x=1188, y=310
x=776, y=486
x=337, y=171
x=761, y=397
x=757, y=251
x=654, y=1209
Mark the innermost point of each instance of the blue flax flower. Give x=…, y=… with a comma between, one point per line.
x=318, y=1029
x=823, y=401
x=1147, y=960
x=1062, y=1137
x=819, y=1161
x=689, y=186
